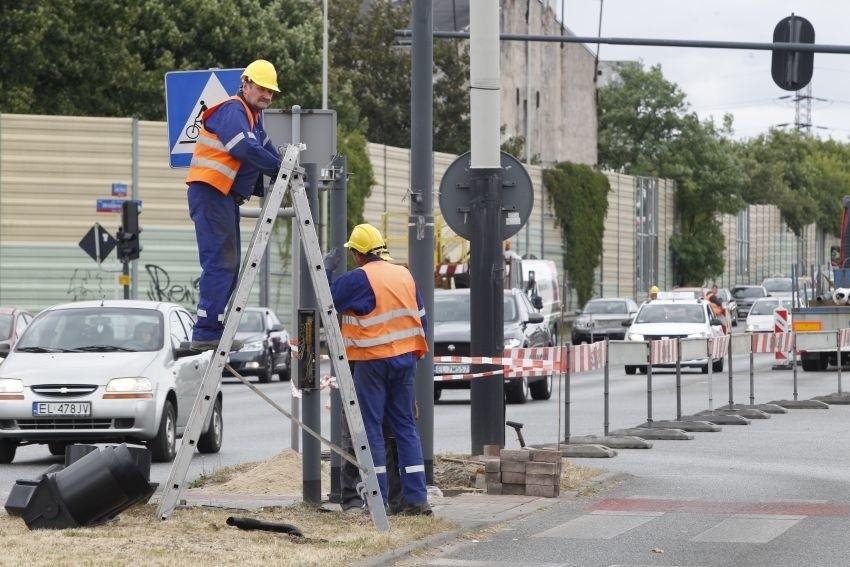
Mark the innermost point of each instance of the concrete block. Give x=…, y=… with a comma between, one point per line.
x=513, y=467
x=542, y=479
x=685, y=424
x=646, y=433
x=492, y=450
x=542, y=490
x=515, y=455
x=587, y=451
x=837, y=398
x=513, y=489
x=513, y=478
x=493, y=477
x=624, y=442
x=481, y=481
x=494, y=488
x=492, y=465
x=801, y=404
x=545, y=455
x=543, y=468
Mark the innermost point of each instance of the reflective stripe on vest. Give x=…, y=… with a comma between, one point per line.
x=394, y=327
x=211, y=162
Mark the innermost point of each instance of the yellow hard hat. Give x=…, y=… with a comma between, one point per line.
x=263, y=73
x=367, y=239
x=653, y=289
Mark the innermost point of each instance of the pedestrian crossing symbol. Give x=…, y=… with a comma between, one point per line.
x=187, y=95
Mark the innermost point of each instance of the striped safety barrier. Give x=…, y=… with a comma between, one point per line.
x=772, y=342
x=664, y=351
x=719, y=346
x=585, y=357
x=844, y=337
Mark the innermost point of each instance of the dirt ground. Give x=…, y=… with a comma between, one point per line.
x=194, y=536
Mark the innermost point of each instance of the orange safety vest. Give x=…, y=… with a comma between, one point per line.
x=394, y=327
x=717, y=309
x=212, y=163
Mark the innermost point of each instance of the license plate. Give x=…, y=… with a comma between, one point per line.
x=40, y=409
x=440, y=369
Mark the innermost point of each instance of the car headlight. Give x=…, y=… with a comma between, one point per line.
x=11, y=386
x=128, y=388
x=252, y=347
x=513, y=343
x=751, y=328
x=700, y=335
x=634, y=336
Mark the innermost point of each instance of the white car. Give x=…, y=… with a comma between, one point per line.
x=105, y=371
x=761, y=319
x=676, y=316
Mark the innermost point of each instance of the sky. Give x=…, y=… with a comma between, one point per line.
x=718, y=81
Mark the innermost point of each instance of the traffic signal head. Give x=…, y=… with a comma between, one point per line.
x=792, y=70
x=128, y=234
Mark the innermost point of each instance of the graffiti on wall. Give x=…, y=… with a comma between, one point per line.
x=161, y=288
x=87, y=284
x=97, y=284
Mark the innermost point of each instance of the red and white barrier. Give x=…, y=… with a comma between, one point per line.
x=665, y=351
x=719, y=346
x=780, y=325
x=585, y=357
x=844, y=338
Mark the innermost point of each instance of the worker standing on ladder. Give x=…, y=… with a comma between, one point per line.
x=231, y=152
x=383, y=329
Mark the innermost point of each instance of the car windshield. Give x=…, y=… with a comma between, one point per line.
x=671, y=313
x=777, y=285
x=251, y=321
x=5, y=327
x=603, y=307
x=747, y=292
x=764, y=307
x=455, y=309
x=98, y=329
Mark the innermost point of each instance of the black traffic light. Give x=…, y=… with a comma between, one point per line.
x=128, y=232
x=792, y=70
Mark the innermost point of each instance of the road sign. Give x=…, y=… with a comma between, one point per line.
x=119, y=189
x=187, y=95
x=113, y=205
x=98, y=243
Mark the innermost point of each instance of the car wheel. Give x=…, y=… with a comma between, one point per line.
x=516, y=392
x=284, y=375
x=717, y=365
x=542, y=389
x=57, y=448
x=438, y=391
x=8, y=448
x=266, y=372
x=704, y=368
x=631, y=370
x=163, y=447
x=210, y=442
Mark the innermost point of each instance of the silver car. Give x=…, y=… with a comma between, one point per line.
x=105, y=371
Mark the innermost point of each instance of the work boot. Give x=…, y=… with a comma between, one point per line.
x=201, y=346
x=421, y=509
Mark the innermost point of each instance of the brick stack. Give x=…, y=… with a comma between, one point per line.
x=526, y=472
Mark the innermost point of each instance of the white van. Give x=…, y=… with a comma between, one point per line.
x=540, y=279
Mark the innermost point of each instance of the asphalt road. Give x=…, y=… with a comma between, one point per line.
x=255, y=431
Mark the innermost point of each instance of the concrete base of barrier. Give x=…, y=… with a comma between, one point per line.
x=842, y=398
x=684, y=425
x=623, y=442
x=649, y=433
x=718, y=418
x=801, y=404
x=749, y=413
x=585, y=451
x=766, y=408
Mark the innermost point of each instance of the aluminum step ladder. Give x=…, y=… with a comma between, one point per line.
x=291, y=178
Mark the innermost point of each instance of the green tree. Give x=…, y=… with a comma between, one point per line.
x=579, y=197
x=106, y=58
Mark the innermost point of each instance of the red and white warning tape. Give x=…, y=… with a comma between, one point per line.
x=664, y=351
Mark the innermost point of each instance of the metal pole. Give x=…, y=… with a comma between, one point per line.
x=649, y=382
x=311, y=458
x=839, y=362
x=729, y=359
x=338, y=235
x=420, y=240
x=710, y=376
x=794, y=361
x=134, y=267
x=567, y=402
x=752, y=375
x=606, y=391
x=295, y=405
x=678, y=379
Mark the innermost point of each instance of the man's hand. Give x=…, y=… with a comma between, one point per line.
x=331, y=259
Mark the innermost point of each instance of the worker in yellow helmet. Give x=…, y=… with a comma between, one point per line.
x=653, y=293
x=383, y=329
x=231, y=152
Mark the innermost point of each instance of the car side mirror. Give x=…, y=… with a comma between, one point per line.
x=276, y=327
x=714, y=321
x=535, y=318
x=626, y=323
x=537, y=302
x=578, y=311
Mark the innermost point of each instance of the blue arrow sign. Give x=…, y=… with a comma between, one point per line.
x=187, y=95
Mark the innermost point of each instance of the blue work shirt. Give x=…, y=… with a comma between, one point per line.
x=255, y=149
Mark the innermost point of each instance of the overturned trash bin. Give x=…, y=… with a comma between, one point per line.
x=92, y=489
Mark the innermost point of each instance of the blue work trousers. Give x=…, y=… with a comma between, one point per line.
x=216, y=218
x=385, y=388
